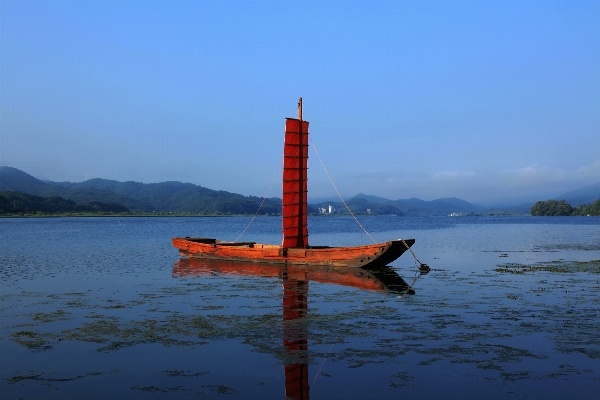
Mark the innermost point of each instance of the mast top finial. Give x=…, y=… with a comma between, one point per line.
x=300, y=109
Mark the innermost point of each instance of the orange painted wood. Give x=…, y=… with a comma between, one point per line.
x=379, y=254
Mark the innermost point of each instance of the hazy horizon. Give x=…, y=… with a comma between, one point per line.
x=490, y=102
x=335, y=198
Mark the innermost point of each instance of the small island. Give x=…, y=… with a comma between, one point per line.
x=553, y=208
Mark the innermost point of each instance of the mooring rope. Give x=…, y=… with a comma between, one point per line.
x=421, y=265
x=259, y=207
x=338, y=193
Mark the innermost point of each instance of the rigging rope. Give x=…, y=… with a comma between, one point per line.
x=338, y=193
x=259, y=207
x=424, y=266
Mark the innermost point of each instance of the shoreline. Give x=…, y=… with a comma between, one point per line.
x=177, y=215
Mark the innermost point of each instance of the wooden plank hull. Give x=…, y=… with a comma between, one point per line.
x=374, y=255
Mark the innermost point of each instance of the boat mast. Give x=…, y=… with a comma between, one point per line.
x=301, y=179
x=294, y=205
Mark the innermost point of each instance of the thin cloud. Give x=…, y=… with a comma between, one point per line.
x=453, y=175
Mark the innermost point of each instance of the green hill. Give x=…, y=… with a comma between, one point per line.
x=15, y=180
x=21, y=203
x=372, y=199
x=444, y=206
x=151, y=195
x=160, y=197
x=202, y=200
x=84, y=195
x=189, y=198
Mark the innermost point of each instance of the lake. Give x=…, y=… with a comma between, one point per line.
x=106, y=307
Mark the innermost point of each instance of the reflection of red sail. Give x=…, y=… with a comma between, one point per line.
x=295, y=339
x=295, y=301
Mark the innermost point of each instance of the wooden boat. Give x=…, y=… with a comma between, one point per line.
x=294, y=249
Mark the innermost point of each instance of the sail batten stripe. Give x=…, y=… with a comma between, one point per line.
x=295, y=168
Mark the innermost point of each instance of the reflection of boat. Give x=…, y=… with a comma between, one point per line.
x=295, y=300
x=383, y=279
x=294, y=248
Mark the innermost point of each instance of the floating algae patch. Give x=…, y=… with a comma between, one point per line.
x=47, y=379
x=70, y=295
x=58, y=315
x=156, y=389
x=32, y=340
x=98, y=332
x=183, y=373
x=209, y=307
x=430, y=361
x=175, y=329
x=220, y=389
x=134, y=333
x=570, y=246
x=561, y=266
x=114, y=304
x=77, y=303
x=400, y=379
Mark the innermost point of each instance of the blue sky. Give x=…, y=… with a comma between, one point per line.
x=487, y=101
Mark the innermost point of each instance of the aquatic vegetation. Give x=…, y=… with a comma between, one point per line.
x=32, y=340
x=552, y=266
x=112, y=316
x=58, y=315
x=46, y=379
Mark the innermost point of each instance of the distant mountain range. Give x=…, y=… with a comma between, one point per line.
x=142, y=197
x=22, y=203
x=378, y=205
x=190, y=198
x=585, y=195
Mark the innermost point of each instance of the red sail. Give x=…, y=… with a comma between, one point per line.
x=295, y=168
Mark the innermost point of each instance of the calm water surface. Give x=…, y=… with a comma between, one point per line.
x=98, y=307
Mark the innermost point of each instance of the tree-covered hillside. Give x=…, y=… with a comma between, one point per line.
x=12, y=203
x=178, y=197
x=551, y=208
x=588, y=209
x=175, y=197
x=562, y=208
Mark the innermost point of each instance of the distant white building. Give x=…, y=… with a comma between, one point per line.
x=329, y=210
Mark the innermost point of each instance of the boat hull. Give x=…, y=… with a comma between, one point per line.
x=374, y=255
